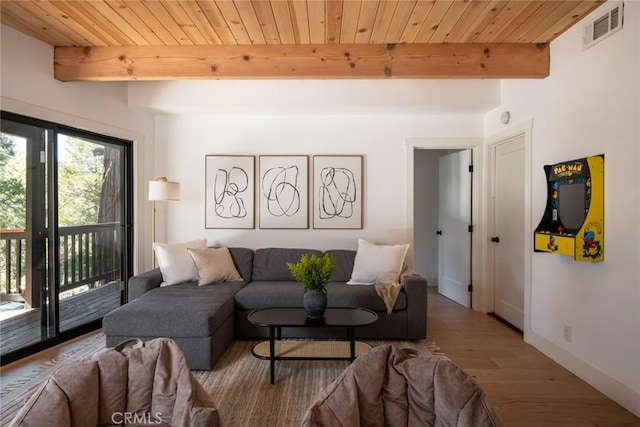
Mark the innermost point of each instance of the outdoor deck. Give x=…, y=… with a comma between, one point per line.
x=25, y=329
x=89, y=272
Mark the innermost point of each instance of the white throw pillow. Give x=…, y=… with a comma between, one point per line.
x=175, y=262
x=214, y=265
x=377, y=263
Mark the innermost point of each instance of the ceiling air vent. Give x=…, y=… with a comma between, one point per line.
x=604, y=25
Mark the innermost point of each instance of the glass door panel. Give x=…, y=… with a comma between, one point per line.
x=25, y=310
x=90, y=178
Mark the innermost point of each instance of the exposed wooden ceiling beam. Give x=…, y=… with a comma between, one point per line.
x=355, y=61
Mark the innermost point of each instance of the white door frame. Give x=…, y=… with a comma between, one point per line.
x=479, y=233
x=526, y=130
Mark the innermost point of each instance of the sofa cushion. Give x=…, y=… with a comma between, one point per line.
x=344, y=264
x=243, y=260
x=271, y=263
x=266, y=294
x=184, y=310
x=340, y=294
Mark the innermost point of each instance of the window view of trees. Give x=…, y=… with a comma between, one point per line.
x=13, y=182
x=81, y=175
x=81, y=170
x=13, y=206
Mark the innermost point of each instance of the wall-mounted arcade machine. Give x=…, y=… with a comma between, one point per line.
x=573, y=221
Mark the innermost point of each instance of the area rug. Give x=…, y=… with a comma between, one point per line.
x=241, y=389
x=239, y=385
x=14, y=393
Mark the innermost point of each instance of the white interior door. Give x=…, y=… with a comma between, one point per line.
x=454, y=218
x=508, y=235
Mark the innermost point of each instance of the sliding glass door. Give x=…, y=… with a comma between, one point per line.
x=66, y=229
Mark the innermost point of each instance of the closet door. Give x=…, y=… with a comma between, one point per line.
x=508, y=231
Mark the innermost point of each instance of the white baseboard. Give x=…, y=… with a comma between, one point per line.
x=610, y=387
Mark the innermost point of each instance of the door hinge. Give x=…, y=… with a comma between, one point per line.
x=470, y=288
x=471, y=228
x=43, y=157
x=471, y=168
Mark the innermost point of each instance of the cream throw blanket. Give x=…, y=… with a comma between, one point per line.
x=389, y=291
x=389, y=294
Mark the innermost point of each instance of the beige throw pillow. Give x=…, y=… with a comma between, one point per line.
x=214, y=265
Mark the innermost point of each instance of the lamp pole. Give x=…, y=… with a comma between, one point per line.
x=153, y=234
x=160, y=190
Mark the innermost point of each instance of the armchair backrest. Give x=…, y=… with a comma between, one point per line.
x=392, y=387
x=145, y=383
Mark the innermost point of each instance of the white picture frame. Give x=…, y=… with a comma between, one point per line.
x=229, y=191
x=337, y=192
x=283, y=191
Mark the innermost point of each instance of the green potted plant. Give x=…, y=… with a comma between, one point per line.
x=313, y=272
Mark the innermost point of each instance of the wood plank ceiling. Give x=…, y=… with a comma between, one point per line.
x=213, y=39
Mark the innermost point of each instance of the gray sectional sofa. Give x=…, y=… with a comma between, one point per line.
x=203, y=320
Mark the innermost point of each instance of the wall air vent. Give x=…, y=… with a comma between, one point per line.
x=604, y=25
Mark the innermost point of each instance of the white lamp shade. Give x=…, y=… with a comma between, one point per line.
x=164, y=190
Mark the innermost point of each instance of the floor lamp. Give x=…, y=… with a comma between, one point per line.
x=160, y=190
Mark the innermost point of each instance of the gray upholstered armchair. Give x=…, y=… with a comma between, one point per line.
x=142, y=384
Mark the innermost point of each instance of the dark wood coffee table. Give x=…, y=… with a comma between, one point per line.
x=287, y=317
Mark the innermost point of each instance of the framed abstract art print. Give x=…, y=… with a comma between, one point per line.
x=229, y=191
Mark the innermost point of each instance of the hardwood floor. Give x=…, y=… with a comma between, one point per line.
x=13, y=371
x=524, y=386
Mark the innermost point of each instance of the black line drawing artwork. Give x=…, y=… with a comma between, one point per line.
x=228, y=193
x=283, y=183
x=337, y=193
x=280, y=189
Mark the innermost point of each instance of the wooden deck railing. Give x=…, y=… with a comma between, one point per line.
x=89, y=255
x=12, y=260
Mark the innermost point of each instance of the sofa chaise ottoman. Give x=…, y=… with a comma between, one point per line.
x=198, y=318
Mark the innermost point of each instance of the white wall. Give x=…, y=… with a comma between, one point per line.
x=589, y=105
x=27, y=87
x=183, y=141
x=293, y=97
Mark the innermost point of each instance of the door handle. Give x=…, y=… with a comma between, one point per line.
x=439, y=232
x=495, y=239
